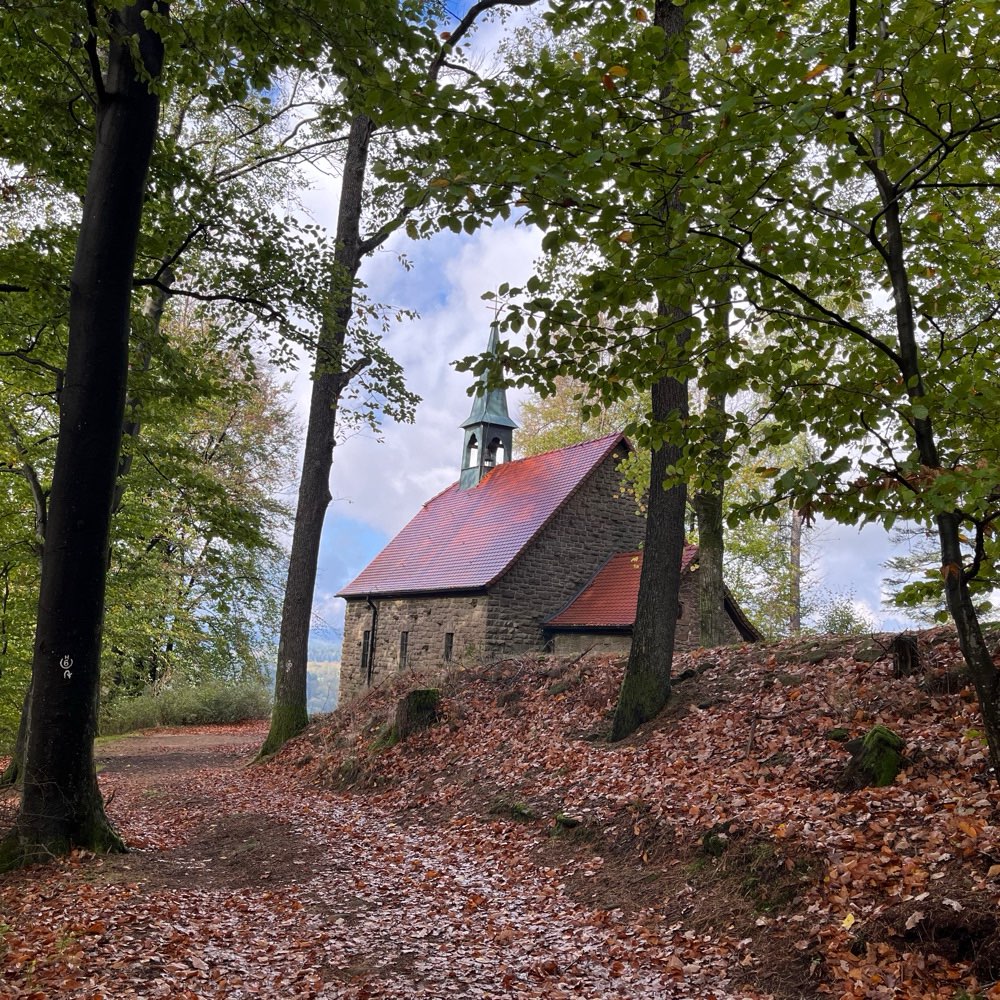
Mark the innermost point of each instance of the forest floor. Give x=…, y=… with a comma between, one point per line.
x=509, y=850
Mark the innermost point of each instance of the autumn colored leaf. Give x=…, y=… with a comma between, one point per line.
x=816, y=71
x=301, y=878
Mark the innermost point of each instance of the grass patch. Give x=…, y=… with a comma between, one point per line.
x=213, y=702
x=512, y=809
x=387, y=737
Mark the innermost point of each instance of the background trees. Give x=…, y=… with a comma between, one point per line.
x=837, y=178
x=105, y=65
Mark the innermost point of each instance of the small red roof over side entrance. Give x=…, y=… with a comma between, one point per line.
x=465, y=539
x=611, y=597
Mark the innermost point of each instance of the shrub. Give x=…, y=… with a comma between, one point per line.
x=209, y=703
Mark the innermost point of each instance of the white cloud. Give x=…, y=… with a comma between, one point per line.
x=382, y=485
x=386, y=483
x=850, y=560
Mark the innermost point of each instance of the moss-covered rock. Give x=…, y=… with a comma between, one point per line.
x=418, y=709
x=876, y=759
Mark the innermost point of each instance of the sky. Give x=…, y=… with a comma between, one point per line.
x=378, y=486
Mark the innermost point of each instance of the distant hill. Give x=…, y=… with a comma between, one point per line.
x=324, y=648
x=322, y=686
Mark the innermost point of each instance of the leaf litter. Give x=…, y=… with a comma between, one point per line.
x=509, y=850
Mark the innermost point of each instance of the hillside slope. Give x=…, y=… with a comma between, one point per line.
x=717, y=838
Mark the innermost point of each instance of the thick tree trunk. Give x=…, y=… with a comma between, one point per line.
x=61, y=806
x=711, y=541
x=289, y=716
x=646, y=685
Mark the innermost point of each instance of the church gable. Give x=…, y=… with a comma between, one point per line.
x=465, y=539
x=598, y=520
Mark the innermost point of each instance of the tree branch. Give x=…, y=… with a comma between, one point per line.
x=90, y=47
x=465, y=25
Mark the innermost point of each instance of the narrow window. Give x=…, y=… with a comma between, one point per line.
x=404, y=641
x=472, y=457
x=366, y=645
x=449, y=644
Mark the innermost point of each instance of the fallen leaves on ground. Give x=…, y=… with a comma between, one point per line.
x=509, y=850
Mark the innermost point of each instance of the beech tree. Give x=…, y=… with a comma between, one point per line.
x=867, y=253
x=336, y=368
x=122, y=60
x=629, y=321
x=60, y=804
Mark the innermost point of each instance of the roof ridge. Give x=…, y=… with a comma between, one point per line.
x=577, y=444
x=466, y=539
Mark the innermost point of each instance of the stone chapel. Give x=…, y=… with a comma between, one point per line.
x=538, y=553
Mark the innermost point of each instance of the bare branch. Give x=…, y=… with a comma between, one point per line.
x=465, y=25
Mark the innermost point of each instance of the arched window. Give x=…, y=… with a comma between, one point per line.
x=495, y=454
x=472, y=455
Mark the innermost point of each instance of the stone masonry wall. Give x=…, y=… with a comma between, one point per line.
x=426, y=620
x=596, y=522
x=577, y=643
x=688, y=634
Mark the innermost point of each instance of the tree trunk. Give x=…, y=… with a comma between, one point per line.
x=795, y=574
x=711, y=541
x=646, y=685
x=985, y=675
x=13, y=774
x=289, y=716
x=61, y=806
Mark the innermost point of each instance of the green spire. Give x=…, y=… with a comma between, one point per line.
x=489, y=431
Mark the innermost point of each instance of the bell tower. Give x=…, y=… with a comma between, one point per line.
x=489, y=431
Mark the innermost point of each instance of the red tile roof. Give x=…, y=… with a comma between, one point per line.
x=466, y=539
x=610, y=599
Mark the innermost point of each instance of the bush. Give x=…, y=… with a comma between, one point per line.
x=212, y=702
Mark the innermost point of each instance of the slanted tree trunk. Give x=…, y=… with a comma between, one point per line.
x=646, y=685
x=289, y=716
x=61, y=806
x=985, y=675
x=711, y=541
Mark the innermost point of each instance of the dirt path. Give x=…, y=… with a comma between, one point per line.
x=244, y=882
